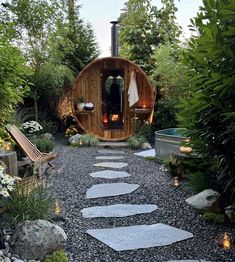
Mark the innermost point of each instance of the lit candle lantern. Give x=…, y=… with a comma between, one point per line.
x=80, y=142
x=57, y=209
x=144, y=106
x=227, y=241
x=186, y=149
x=176, y=181
x=7, y=146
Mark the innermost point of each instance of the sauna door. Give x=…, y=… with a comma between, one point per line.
x=112, y=98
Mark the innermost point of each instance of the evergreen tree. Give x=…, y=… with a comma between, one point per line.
x=143, y=27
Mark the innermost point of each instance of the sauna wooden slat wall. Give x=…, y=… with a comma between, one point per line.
x=88, y=85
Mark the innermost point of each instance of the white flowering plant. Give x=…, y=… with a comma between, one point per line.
x=32, y=127
x=7, y=183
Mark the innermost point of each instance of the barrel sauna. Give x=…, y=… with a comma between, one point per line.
x=105, y=83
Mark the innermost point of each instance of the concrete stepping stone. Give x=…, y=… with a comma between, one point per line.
x=107, y=151
x=109, y=174
x=140, y=236
x=146, y=153
x=110, y=157
x=110, y=189
x=120, y=210
x=111, y=164
x=190, y=260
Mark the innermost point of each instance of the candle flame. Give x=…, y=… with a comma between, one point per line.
x=114, y=117
x=176, y=181
x=57, y=209
x=226, y=241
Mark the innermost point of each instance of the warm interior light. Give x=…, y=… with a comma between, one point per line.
x=144, y=106
x=176, y=181
x=114, y=117
x=227, y=241
x=57, y=209
x=80, y=142
x=105, y=119
x=186, y=149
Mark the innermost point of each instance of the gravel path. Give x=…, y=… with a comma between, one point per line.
x=155, y=188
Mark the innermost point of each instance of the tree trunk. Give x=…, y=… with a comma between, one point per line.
x=35, y=105
x=71, y=15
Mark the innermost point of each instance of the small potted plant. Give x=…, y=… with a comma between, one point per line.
x=80, y=103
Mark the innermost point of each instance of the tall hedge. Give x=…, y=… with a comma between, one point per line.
x=209, y=110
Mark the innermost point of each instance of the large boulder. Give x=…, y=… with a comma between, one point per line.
x=49, y=136
x=38, y=238
x=207, y=199
x=230, y=213
x=73, y=140
x=146, y=146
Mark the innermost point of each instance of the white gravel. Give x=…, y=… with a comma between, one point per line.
x=71, y=185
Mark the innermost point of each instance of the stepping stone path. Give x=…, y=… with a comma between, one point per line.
x=146, y=153
x=128, y=237
x=111, y=189
x=107, y=152
x=110, y=157
x=121, y=210
x=143, y=236
x=111, y=164
x=109, y=174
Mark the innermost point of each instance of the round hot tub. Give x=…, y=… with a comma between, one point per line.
x=168, y=141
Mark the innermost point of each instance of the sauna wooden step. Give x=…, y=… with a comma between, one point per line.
x=113, y=144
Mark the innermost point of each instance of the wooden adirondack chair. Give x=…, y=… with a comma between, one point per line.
x=30, y=150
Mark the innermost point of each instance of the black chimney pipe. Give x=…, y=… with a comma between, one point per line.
x=114, y=38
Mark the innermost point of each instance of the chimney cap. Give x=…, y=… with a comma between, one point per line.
x=114, y=22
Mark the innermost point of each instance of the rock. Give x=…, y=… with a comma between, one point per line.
x=207, y=199
x=1, y=253
x=15, y=256
x=36, y=239
x=49, y=136
x=7, y=248
x=73, y=140
x=230, y=213
x=18, y=260
x=146, y=146
x=7, y=238
x=7, y=259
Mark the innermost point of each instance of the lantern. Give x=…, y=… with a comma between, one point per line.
x=176, y=181
x=186, y=149
x=57, y=209
x=7, y=146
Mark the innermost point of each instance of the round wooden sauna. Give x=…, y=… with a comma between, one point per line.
x=105, y=83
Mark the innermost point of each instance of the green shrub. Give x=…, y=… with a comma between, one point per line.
x=57, y=256
x=151, y=158
x=214, y=217
x=21, y=206
x=142, y=128
x=208, y=108
x=199, y=181
x=89, y=140
x=136, y=141
x=43, y=144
